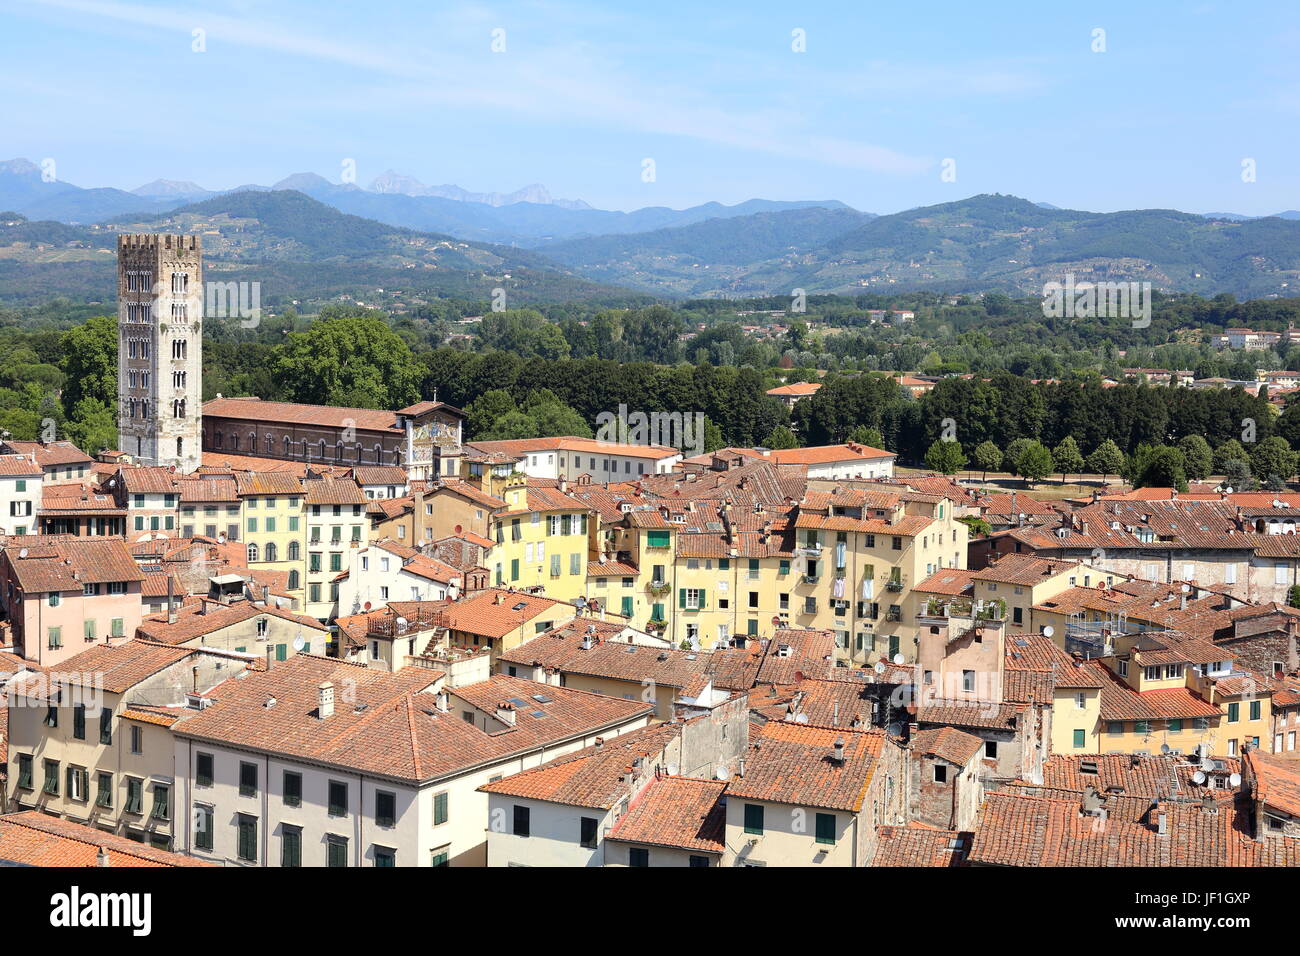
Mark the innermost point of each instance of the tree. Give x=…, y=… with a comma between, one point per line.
x=90, y=361
x=1035, y=462
x=92, y=427
x=1273, y=457
x=1230, y=450
x=988, y=457
x=349, y=360
x=1293, y=595
x=487, y=409
x=1157, y=466
x=865, y=435
x=781, y=437
x=1197, y=455
x=1237, y=475
x=1106, y=459
x=1068, y=459
x=1013, y=453
x=946, y=457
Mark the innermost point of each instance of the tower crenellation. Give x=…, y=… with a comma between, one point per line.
x=159, y=359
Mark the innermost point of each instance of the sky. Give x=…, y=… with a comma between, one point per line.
x=882, y=105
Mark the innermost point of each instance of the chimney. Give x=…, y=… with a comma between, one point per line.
x=741, y=768
x=270, y=655
x=101, y=858
x=1162, y=823
x=506, y=713
x=838, y=755
x=171, y=601
x=325, y=699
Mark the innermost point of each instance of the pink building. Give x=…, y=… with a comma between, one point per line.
x=65, y=594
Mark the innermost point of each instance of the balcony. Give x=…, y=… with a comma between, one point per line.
x=894, y=585
x=658, y=588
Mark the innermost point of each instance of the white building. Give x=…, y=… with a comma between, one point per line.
x=388, y=571
x=569, y=457
x=319, y=762
x=20, y=494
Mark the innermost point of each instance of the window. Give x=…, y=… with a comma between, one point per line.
x=162, y=802
x=247, y=779
x=385, y=856
x=521, y=821
x=825, y=828
x=940, y=773
x=134, y=795
x=991, y=750
x=24, y=771
x=638, y=856
x=79, y=722
x=338, y=798
x=51, y=716
x=203, y=770
x=1234, y=712
x=1255, y=710
x=78, y=784
x=292, y=789
x=587, y=835
x=336, y=851
x=106, y=726
x=104, y=796
x=290, y=846
x=247, y=838
x=698, y=860
x=386, y=808
x=1079, y=739
x=440, y=808
x=52, y=777
x=441, y=857
x=137, y=739
x=754, y=818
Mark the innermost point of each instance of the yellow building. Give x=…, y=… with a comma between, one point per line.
x=543, y=540
x=336, y=522
x=1036, y=669
x=272, y=525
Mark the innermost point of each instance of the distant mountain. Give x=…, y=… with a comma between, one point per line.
x=297, y=247
x=709, y=257
x=981, y=243
x=173, y=189
x=526, y=217
x=392, y=182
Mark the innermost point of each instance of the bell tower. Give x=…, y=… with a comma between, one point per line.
x=159, y=349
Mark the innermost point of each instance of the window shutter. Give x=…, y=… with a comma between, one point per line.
x=681, y=597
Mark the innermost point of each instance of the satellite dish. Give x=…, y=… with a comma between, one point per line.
x=672, y=770
x=1049, y=631
x=721, y=772
x=367, y=605
x=1207, y=763
x=1164, y=748
x=801, y=718
x=898, y=658
x=299, y=643
x=1235, y=780
x=880, y=667
x=1186, y=588
x=22, y=552
x=1199, y=777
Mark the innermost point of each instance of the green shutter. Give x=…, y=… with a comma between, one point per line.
x=681, y=597
x=627, y=607
x=703, y=602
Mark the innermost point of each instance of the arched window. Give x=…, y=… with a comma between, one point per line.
x=252, y=552
x=293, y=581
x=234, y=443
x=295, y=552
x=271, y=552
x=338, y=450
x=288, y=447
x=219, y=438
x=322, y=449
x=379, y=454
x=270, y=444
x=252, y=442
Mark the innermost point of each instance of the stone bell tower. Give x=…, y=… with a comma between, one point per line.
x=159, y=349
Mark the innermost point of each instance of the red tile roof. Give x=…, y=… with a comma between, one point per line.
x=685, y=813
x=34, y=838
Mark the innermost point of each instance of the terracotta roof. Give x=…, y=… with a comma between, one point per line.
x=494, y=612
x=333, y=491
x=970, y=713
x=795, y=388
x=268, y=483
x=1023, y=569
x=561, y=649
x=953, y=745
x=947, y=581
x=34, y=838
x=1119, y=701
x=794, y=763
x=204, y=617
x=685, y=813
x=822, y=454
x=67, y=563
x=19, y=466
x=379, y=474
x=385, y=724
x=289, y=413
x=570, y=443
x=1034, y=652
x=1277, y=780
x=919, y=846
x=119, y=667
x=48, y=454
x=595, y=777
x=1021, y=830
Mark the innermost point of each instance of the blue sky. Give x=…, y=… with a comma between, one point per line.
x=584, y=92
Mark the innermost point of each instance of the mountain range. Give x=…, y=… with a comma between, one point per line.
x=309, y=239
